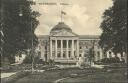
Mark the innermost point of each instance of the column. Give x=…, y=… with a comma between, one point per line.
x=50, y=48
x=61, y=48
x=67, y=49
x=77, y=48
x=56, y=48
x=72, y=48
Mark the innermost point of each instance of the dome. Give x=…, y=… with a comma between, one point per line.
x=60, y=26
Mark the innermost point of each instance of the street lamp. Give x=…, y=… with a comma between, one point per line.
x=32, y=49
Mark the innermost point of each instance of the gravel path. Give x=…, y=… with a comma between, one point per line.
x=4, y=75
x=57, y=81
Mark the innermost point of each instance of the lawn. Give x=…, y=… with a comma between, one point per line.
x=50, y=76
x=115, y=76
x=76, y=75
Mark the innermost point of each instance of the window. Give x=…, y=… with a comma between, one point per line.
x=53, y=53
x=20, y=55
x=110, y=53
x=59, y=43
x=70, y=43
x=98, y=53
x=79, y=55
x=58, y=55
x=69, y=54
x=98, y=57
x=80, y=47
x=64, y=55
x=86, y=47
x=75, y=53
x=45, y=47
x=64, y=43
x=39, y=54
x=39, y=47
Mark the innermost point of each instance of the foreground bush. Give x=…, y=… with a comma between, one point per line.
x=110, y=60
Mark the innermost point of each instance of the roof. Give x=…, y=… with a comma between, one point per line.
x=60, y=26
x=80, y=36
x=89, y=36
x=43, y=36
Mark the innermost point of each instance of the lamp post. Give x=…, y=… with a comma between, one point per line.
x=32, y=49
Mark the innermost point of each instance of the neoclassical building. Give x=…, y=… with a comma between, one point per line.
x=64, y=46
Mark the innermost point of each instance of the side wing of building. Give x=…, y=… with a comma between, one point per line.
x=86, y=42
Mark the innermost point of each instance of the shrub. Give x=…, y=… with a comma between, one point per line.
x=111, y=60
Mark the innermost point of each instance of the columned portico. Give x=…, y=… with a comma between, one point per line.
x=64, y=44
x=64, y=50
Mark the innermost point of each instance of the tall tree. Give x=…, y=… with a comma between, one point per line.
x=114, y=27
x=19, y=23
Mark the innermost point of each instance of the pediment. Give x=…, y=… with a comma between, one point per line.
x=65, y=33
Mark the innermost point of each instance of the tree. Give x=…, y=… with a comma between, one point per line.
x=114, y=27
x=19, y=23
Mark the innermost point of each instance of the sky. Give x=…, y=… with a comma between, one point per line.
x=82, y=16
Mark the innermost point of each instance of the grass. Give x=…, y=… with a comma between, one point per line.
x=14, y=77
x=97, y=78
x=117, y=76
x=50, y=76
x=89, y=75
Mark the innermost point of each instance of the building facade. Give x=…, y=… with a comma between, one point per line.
x=64, y=46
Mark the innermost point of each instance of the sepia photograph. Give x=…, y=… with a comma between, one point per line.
x=63, y=41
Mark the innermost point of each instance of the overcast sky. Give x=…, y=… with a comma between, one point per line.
x=82, y=16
